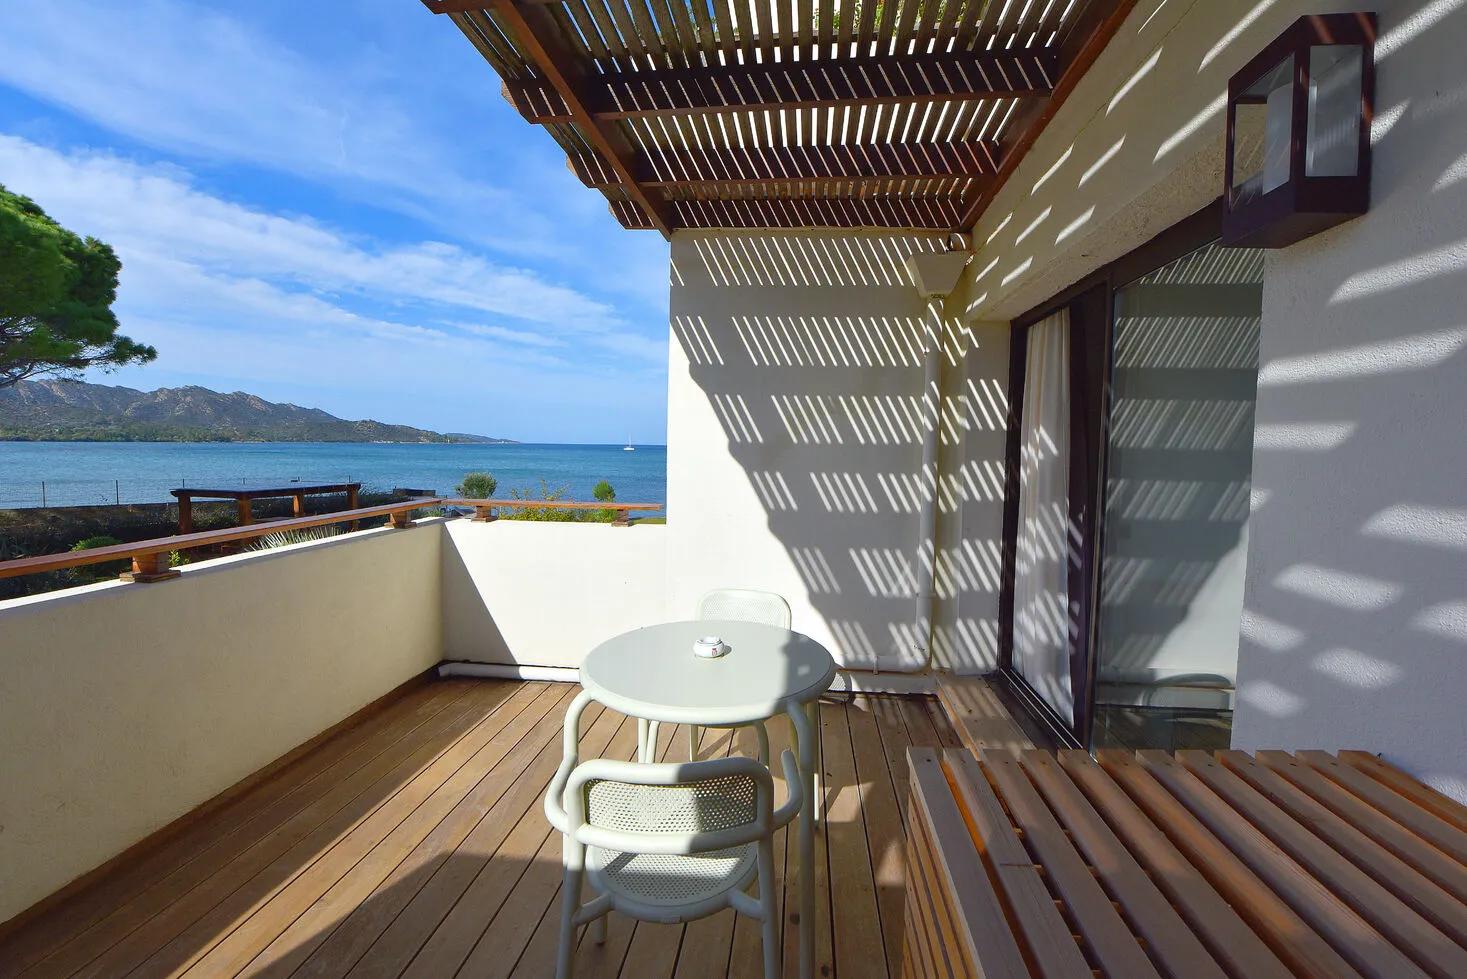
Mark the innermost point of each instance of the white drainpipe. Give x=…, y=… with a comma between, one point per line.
x=935, y=275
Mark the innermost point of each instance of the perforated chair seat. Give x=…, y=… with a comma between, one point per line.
x=703, y=806
x=672, y=880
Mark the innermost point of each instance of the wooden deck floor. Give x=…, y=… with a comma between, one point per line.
x=414, y=844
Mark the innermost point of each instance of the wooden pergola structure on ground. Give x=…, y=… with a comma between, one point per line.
x=244, y=497
x=902, y=114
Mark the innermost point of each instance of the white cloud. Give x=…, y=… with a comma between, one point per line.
x=203, y=83
x=187, y=253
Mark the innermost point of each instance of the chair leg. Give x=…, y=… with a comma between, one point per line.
x=769, y=926
x=692, y=742
x=598, y=929
x=573, y=856
x=642, y=727
x=652, y=741
x=763, y=736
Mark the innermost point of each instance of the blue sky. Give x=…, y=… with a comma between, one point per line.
x=331, y=204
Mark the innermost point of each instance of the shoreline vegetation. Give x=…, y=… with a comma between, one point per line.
x=49, y=530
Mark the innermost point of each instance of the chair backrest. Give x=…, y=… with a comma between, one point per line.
x=745, y=605
x=670, y=808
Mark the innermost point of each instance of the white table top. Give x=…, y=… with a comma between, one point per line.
x=652, y=672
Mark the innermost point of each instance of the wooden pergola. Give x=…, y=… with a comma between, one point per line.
x=894, y=114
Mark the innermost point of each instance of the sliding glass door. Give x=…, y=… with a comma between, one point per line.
x=1184, y=373
x=1127, y=500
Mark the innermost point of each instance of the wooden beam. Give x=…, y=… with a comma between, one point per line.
x=1096, y=25
x=538, y=36
x=822, y=166
x=932, y=213
x=866, y=80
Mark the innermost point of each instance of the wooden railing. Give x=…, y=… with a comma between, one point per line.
x=484, y=509
x=150, y=557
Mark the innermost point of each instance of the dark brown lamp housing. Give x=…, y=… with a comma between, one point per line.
x=1298, y=133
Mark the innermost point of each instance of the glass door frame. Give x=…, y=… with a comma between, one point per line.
x=1091, y=302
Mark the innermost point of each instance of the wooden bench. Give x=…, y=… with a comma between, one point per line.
x=1037, y=863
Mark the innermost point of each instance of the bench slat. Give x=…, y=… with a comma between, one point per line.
x=990, y=945
x=1410, y=934
x=1155, y=920
x=1105, y=932
x=1045, y=933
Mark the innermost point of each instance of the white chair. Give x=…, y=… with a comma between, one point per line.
x=740, y=605
x=666, y=842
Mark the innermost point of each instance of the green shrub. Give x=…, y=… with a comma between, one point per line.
x=604, y=493
x=478, y=486
x=548, y=514
x=98, y=540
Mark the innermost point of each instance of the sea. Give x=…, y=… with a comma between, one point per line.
x=34, y=474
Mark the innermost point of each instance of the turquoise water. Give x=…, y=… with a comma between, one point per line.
x=86, y=473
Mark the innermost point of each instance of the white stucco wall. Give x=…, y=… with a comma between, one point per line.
x=1355, y=621
x=545, y=594
x=124, y=706
x=1356, y=625
x=795, y=433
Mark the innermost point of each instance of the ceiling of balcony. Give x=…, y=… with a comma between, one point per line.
x=789, y=113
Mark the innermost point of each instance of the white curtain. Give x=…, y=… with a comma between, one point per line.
x=1041, y=653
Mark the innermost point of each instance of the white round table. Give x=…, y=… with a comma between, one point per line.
x=652, y=674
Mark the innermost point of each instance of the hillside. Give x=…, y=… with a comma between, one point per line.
x=74, y=411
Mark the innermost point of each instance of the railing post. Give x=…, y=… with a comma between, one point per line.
x=149, y=567
x=484, y=514
x=623, y=518
x=401, y=520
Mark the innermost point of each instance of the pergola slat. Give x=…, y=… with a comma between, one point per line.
x=537, y=34
x=874, y=80
x=890, y=211
x=790, y=113
x=816, y=165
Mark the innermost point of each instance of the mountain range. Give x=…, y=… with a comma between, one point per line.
x=55, y=410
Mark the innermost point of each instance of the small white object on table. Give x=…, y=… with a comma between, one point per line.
x=654, y=674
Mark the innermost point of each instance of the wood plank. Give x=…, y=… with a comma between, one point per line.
x=470, y=791
x=536, y=33
x=824, y=956
x=1167, y=936
x=1350, y=936
x=1098, y=23
x=884, y=833
x=363, y=925
x=229, y=829
x=1407, y=884
x=180, y=904
x=961, y=827
x=203, y=538
x=746, y=956
x=238, y=936
x=857, y=937
x=1449, y=810
x=1411, y=935
x=845, y=166
x=1275, y=921
x=937, y=945
x=391, y=952
x=1106, y=934
x=979, y=717
x=509, y=845
x=894, y=744
x=707, y=944
x=1430, y=827
x=863, y=80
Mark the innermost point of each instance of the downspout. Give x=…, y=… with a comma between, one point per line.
x=934, y=275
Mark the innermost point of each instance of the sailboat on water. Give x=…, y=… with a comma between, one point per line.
x=629, y=447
